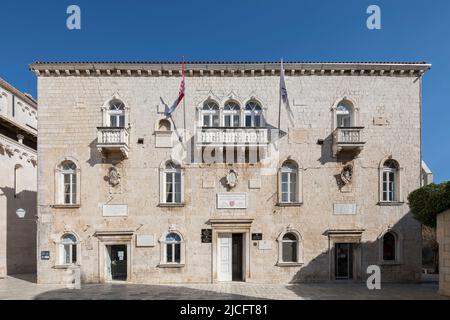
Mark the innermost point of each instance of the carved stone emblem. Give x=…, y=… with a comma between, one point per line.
x=232, y=179
x=347, y=174
x=113, y=176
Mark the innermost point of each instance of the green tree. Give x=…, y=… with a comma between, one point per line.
x=427, y=202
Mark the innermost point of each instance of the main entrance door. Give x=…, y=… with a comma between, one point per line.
x=117, y=258
x=343, y=260
x=230, y=257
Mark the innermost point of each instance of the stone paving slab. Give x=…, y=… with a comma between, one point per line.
x=25, y=288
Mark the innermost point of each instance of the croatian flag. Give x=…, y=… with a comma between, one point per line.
x=284, y=96
x=168, y=113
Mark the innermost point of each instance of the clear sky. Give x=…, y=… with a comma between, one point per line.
x=300, y=30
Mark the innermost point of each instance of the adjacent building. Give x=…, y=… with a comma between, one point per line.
x=231, y=188
x=18, y=181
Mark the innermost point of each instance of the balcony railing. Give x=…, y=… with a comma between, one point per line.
x=347, y=139
x=238, y=136
x=111, y=139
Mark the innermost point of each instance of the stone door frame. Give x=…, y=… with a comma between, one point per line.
x=232, y=225
x=352, y=236
x=108, y=238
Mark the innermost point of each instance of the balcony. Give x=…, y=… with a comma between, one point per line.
x=227, y=136
x=113, y=140
x=347, y=140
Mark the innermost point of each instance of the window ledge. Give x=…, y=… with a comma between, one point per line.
x=289, y=264
x=66, y=266
x=66, y=206
x=169, y=205
x=171, y=265
x=289, y=204
x=390, y=204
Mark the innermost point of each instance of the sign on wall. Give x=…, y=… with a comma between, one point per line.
x=257, y=236
x=232, y=200
x=206, y=235
x=45, y=255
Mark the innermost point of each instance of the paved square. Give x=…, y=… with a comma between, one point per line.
x=23, y=288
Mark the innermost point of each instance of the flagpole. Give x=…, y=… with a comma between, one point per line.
x=184, y=104
x=279, y=100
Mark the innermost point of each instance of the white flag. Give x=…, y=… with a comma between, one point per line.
x=284, y=96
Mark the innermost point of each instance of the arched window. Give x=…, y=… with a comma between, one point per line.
x=172, y=183
x=69, y=182
x=210, y=114
x=232, y=114
x=116, y=114
x=68, y=247
x=290, y=248
x=390, y=181
x=344, y=115
x=289, y=182
x=290, y=243
x=253, y=114
x=389, y=247
x=164, y=125
x=173, y=248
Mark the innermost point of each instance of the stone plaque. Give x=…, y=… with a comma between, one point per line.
x=344, y=208
x=235, y=200
x=254, y=184
x=115, y=210
x=265, y=245
x=145, y=240
x=380, y=121
x=208, y=183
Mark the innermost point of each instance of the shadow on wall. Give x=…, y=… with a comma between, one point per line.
x=406, y=266
x=21, y=233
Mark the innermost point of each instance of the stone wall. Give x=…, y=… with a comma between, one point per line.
x=70, y=112
x=18, y=234
x=443, y=238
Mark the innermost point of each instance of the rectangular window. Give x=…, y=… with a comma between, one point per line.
x=216, y=121
x=70, y=187
x=177, y=253
x=236, y=121
x=289, y=251
x=169, y=253
x=206, y=120
x=389, y=186
x=173, y=187
x=248, y=120
x=227, y=121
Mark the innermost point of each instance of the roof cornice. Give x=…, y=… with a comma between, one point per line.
x=227, y=68
x=27, y=99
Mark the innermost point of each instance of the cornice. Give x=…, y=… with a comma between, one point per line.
x=228, y=69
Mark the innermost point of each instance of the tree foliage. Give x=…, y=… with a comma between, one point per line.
x=427, y=202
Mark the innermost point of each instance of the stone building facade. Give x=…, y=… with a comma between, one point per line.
x=18, y=181
x=443, y=238
x=217, y=192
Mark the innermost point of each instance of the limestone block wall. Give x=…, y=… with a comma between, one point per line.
x=18, y=185
x=443, y=238
x=70, y=112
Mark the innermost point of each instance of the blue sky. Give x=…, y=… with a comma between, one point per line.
x=412, y=30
